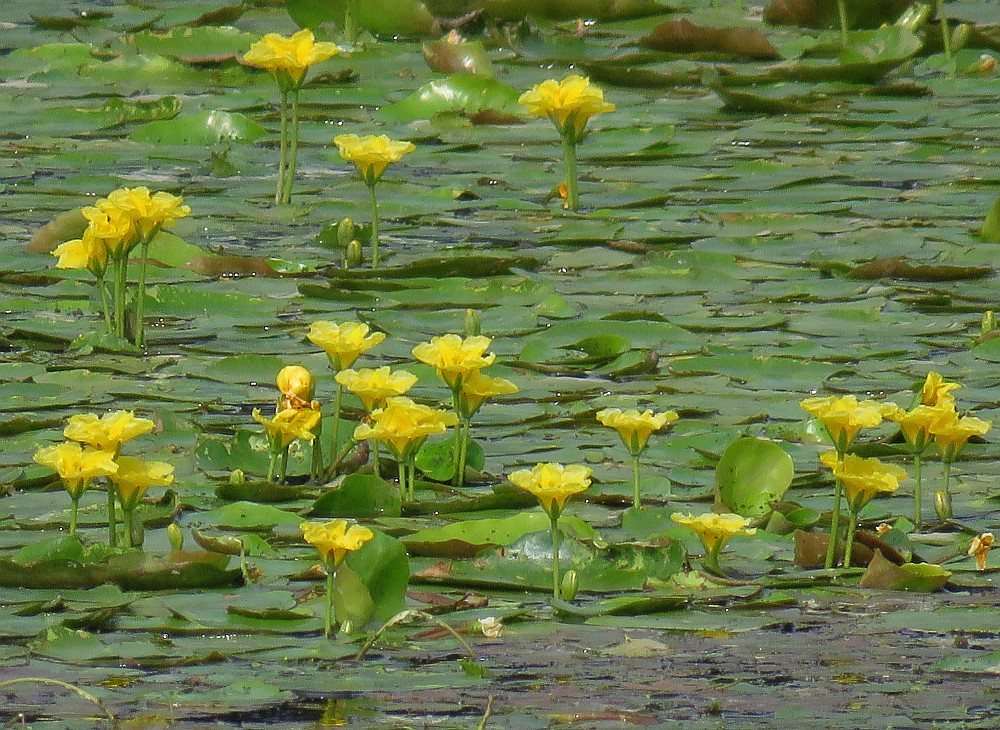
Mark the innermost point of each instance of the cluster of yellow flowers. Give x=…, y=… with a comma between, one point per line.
x=933, y=419
x=127, y=218
x=93, y=450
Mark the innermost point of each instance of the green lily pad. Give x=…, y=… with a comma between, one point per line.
x=752, y=475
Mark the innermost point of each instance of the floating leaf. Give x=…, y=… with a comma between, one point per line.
x=684, y=37
x=461, y=93
x=883, y=574
x=209, y=127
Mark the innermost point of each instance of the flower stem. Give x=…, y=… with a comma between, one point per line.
x=572, y=185
x=462, y=434
x=335, y=437
x=711, y=561
x=127, y=521
x=376, y=459
x=282, y=150
x=636, y=499
x=293, y=153
x=331, y=574
x=917, y=496
x=842, y=10
x=945, y=28
x=412, y=478
x=272, y=462
x=73, y=515
x=102, y=286
x=831, y=551
x=556, y=583
x=374, y=204
x=284, y=465
x=140, y=301
x=403, y=493
x=112, y=517
x=121, y=280
x=316, y=467
x=849, y=547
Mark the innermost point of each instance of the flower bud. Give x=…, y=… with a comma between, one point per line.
x=960, y=36
x=570, y=585
x=473, y=325
x=176, y=536
x=236, y=476
x=989, y=321
x=353, y=256
x=345, y=231
x=296, y=385
x=942, y=505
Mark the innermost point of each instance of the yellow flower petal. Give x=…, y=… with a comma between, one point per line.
x=454, y=357
x=714, y=530
x=569, y=103
x=343, y=343
x=634, y=427
x=76, y=465
x=135, y=477
x=109, y=431
x=371, y=154
x=552, y=484
x=403, y=426
x=333, y=540
x=375, y=386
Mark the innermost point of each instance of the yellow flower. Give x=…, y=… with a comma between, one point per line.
x=455, y=358
x=76, y=465
x=296, y=385
x=714, y=530
x=403, y=426
x=343, y=343
x=150, y=211
x=107, y=432
x=937, y=391
x=843, y=416
x=333, y=540
x=980, y=549
x=113, y=227
x=634, y=427
x=371, y=154
x=863, y=479
x=951, y=434
x=478, y=388
x=88, y=253
x=375, y=386
x=287, y=425
x=918, y=422
x=553, y=484
x=135, y=477
x=568, y=103
x=288, y=59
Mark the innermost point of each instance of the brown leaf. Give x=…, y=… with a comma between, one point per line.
x=811, y=547
x=440, y=569
x=64, y=227
x=824, y=13
x=683, y=36
x=899, y=268
x=231, y=265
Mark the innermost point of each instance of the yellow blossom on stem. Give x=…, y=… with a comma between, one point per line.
x=918, y=422
x=373, y=386
x=714, y=531
x=404, y=425
x=477, y=388
x=980, y=549
x=455, y=358
x=634, y=427
x=288, y=425
x=569, y=103
x=863, y=479
x=113, y=227
x=289, y=58
x=296, y=385
x=88, y=252
x=553, y=484
x=109, y=431
x=333, y=540
x=843, y=417
x=371, y=154
x=150, y=211
x=343, y=343
x=135, y=477
x=937, y=391
x=76, y=465
x=953, y=433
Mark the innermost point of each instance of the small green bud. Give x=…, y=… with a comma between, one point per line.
x=960, y=36
x=354, y=255
x=473, y=325
x=176, y=536
x=989, y=321
x=237, y=477
x=345, y=231
x=942, y=505
x=570, y=585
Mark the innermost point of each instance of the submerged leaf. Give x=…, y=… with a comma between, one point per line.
x=682, y=36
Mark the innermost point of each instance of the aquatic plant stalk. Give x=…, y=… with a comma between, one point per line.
x=293, y=151
x=102, y=287
x=838, y=493
x=374, y=205
x=335, y=437
x=842, y=11
x=140, y=301
x=636, y=499
x=112, y=517
x=331, y=574
x=917, y=496
x=572, y=184
x=945, y=28
x=849, y=545
x=282, y=150
x=556, y=582
x=74, y=510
